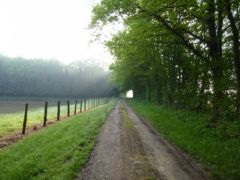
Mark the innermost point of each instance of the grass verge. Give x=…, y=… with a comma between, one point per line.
x=56, y=152
x=216, y=151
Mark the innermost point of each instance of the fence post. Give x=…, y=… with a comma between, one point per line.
x=25, y=119
x=75, y=110
x=85, y=104
x=81, y=105
x=68, y=109
x=58, y=111
x=45, y=114
x=83, y=108
x=90, y=103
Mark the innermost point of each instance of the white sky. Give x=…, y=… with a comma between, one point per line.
x=49, y=29
x=129, y=94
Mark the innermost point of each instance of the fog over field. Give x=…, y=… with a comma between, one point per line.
x=51, y=55
x=39, y=78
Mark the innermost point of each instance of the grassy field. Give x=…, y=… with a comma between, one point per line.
x=218, y=150
x=12, y=122
x=8, y=106
x=56, y=152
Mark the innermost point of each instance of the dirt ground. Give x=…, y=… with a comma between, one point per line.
x=129, y=149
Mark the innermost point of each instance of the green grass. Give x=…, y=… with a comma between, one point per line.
x=10, y=123
x=215, y=149
x=58, y=151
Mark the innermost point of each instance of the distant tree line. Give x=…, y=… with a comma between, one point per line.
x=42, y=78
x=179, y=53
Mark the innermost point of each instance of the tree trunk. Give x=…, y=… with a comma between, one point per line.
x=216, y=62
x=236, y=51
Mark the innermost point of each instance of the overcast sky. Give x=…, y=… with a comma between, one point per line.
x=49, y=29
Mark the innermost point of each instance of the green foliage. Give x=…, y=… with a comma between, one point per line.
x=179, y=53
x=56, y=152
x=217, y=149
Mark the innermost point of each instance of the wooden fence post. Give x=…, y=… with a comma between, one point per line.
x=25, y=119
x=45, y=114
x=85, y=104
x=90, y=103
x=68, y=109
x=75, y=110
x=81, y=105
x=83, y=108
x=58, y=111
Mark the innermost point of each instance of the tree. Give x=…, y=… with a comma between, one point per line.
x=182, y=45
x=41, y=78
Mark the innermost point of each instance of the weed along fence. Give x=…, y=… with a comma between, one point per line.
x=78, y=107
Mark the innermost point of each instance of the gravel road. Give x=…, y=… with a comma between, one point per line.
x=129, y=149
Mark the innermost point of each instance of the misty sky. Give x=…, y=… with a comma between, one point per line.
x=49, y=29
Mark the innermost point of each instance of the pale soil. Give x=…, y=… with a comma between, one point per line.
x=128, y=148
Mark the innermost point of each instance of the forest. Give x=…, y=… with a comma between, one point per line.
x=182, y=53
x=50, y=78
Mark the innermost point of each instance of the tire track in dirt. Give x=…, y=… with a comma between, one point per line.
x=129, y=149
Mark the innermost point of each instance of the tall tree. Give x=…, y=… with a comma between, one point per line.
x=188, y=39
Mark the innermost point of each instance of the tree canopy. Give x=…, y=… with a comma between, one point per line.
x=50, y=78
x=179, y=53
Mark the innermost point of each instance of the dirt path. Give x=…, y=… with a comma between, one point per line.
x=128, y=149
